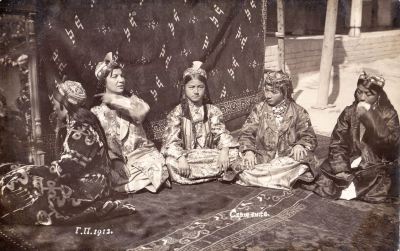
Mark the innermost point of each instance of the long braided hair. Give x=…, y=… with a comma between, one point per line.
x=184, y=101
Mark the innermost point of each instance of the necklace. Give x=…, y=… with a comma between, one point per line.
x=196, y=112
x=279, y=111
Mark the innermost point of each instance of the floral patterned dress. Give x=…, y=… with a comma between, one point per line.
x=72, y=190
x=271, y=133
x=137, y=163
x=199, y=142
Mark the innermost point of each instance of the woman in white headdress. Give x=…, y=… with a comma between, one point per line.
x=196, y=144
x=137, y=164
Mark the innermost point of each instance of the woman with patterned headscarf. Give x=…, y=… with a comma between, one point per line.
x=74, y=188
x=277, y=139
x=364, y=147
x=136, y=162
x=196, y=144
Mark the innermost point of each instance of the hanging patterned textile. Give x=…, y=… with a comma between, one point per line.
x=155, y=41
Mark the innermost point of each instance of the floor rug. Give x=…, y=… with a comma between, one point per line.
x=217, y=216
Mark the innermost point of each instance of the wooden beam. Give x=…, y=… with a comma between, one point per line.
x=280, y=7
x=355, y=18
x=38, y=153
x=327, y=54
x=18, y=7
x=264, y=19
x=385, y=13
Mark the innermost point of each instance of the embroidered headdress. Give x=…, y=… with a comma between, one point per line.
x=104, y=67
x=272, y=78
x=279, y=80
x=71, y=92
x=195, y=69
x=368, y=80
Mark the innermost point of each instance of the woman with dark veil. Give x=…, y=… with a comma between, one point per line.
x=76, y=187
x=364, y=148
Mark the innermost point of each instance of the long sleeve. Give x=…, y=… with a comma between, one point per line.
x=339, y=148
x=382, y=128
x=81, y=145
x=172, y=141
x=110, y=126
x=222, y=137
x=133, y=107
x=305, y=134
x=249, y=129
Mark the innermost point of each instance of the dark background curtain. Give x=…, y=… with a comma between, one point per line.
x=156, y=41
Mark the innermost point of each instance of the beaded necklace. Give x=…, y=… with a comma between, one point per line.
x=279, y=111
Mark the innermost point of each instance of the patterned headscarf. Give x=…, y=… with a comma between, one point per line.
x=104, y=67
x=70, y=92
x=279, y=80
x=368, y=80
x=195, y=69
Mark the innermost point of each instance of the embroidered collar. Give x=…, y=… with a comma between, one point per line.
x=280, y=109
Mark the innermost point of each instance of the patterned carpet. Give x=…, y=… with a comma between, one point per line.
x=216, y=216
x=283, y=220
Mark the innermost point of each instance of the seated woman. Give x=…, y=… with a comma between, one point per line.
x=196, y=144
x=137, y=164
x=364, y=147
x=277, y=139
x=75, y=187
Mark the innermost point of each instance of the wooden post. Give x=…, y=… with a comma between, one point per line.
x=384, y=13
x=264, y=19
x=38, y=153
x=327, y=54
x=355, y=18
x=280, y=7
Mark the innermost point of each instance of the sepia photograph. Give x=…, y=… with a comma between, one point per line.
x=199, y=125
